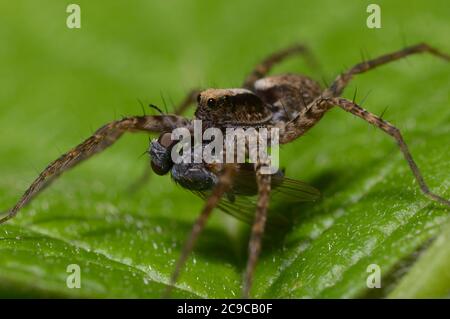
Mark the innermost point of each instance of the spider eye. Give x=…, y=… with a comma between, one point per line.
x=199, y=97
x=211, y=103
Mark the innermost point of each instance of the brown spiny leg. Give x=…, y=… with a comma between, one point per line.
x=254, y=248
x=266, y=65
x=100, y=140
x=343, y=79
x=224, y=184
x=355, y=109
x=305, y=120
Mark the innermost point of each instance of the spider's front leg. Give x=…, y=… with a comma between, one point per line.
x=388, y=128
x=100, y=140
x=259, y=223
x=222, y=186
x=342, y=80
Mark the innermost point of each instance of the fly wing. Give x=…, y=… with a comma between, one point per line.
x=283, y=188
x=292, y=190
x=240, y=201
x=241, y=207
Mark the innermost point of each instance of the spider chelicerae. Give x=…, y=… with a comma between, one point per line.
x=290, y=102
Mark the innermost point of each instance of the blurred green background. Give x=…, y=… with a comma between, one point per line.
x=57, y=85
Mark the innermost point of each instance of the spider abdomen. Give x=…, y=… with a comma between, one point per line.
x=288, y=94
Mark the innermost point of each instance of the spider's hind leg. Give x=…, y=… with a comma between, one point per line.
x=343, y=79
x=263, y=68
x=187, y=102
x=388, y=128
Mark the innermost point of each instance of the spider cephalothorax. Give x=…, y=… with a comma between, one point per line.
x=232, y=108
x=292, y=103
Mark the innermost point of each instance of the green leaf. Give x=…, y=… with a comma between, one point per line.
x=430, y=276
x=60, y=84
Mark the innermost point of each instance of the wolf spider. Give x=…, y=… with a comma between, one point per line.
x=293, y=103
